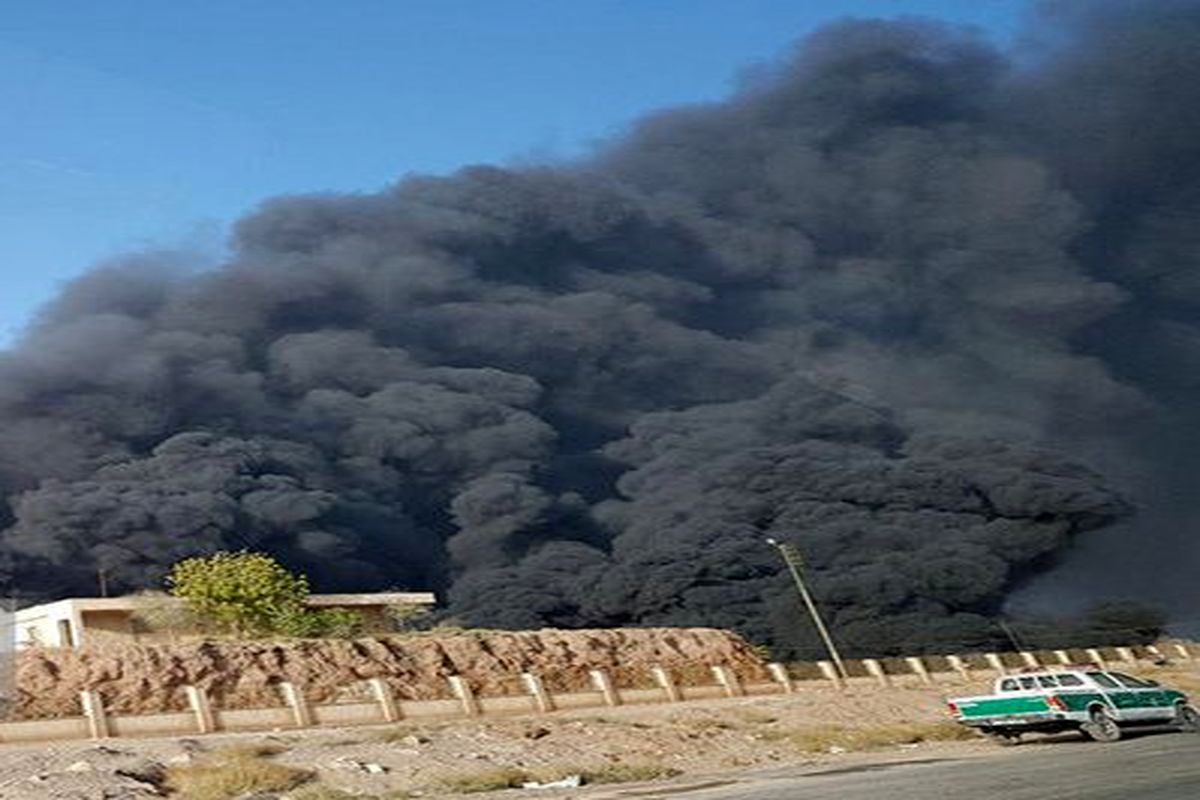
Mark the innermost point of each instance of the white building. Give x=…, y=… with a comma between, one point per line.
x=70, y=623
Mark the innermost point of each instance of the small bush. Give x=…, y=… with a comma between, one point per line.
x=486, y=780
x=232, y=772
x=319, y=623
x=498, y=778
x=826, y=737
x=625, y=773
x=755, y=716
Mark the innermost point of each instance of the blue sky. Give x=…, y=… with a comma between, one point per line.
x=143, y=123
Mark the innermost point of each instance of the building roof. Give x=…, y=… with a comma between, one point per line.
x=133, y=602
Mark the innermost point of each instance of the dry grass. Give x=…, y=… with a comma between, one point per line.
x=235, y=771
x=323, y=792
x=755, y=716
x=486, y=780
x=828, y=737
x=623, y=773
x=498, y=778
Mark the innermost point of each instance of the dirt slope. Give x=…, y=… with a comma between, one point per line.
x=148, y=678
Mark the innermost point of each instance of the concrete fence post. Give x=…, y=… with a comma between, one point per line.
x=1030, y=659
x=995, y=662
x=917, y=665
x=1126, y=654
x=960, y=666
x=1063, y=657
x=779, y=674
x=830, y=673
x=1096, y=656
x=876, y=671
x=667, y=683
x=298, y=703
x=537, y=689
x=201, y=709
x=604, y=685
x=728, y=680
x=466, y=697
x=384, y=698
x=1182, y=651
x=97, y=719
x=1155, y=653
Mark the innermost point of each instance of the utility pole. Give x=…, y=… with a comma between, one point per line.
x=795, y=562
x=1010, y=633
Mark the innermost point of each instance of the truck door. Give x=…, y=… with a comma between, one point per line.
x=1125, y=703
x=1152, y=701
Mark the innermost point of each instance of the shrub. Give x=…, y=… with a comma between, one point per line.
x=233, y=773
x=318, y=623
x=486, y=780
x=243, y=592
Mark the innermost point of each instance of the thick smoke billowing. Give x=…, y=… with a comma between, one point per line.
x=885, y=302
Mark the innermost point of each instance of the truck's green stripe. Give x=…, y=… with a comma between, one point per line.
x=989, y=707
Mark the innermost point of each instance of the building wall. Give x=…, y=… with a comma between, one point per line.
x=51, y=625
x=102, y=626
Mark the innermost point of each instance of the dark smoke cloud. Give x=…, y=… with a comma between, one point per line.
x=884, y=302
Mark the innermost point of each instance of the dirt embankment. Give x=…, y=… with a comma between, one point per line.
x=149, y=678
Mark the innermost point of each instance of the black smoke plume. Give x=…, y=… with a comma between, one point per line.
x=901, y=300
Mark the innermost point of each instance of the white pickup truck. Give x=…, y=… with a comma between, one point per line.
x=1096, y=701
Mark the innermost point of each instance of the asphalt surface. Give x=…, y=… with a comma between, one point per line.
x=1161, y=766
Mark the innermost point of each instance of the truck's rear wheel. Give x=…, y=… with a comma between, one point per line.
x=1187, y=717
x=1100, y=727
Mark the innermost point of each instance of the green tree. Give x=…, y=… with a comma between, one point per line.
x=244, y=593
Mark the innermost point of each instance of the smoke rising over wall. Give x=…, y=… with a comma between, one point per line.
x=926, y=312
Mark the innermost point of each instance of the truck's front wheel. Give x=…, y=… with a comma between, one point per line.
x=1100, y=727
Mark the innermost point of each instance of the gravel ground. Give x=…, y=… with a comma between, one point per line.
x=699, y=738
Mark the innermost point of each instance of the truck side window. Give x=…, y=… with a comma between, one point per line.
x=1130, y=681
x=1008, y=685
x=1069, y=680
x=1047, y=682
x=1103, y=680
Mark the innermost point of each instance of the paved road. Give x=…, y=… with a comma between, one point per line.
x=1162, y=766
